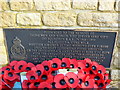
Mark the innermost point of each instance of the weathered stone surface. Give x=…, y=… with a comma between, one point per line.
x=59, y=19
x=7, y=19
x=106, y=5
x=2, y=49
x=118, y=43
x=98, y=19
x=115, y=84
x=29, y=18
x=1, y=37
x=3, y=56
x=52, y=4
x=21, y=4
x=116, y=58
x=115, y=74
x=4, y=5
x=3, y=59
x=117, y=6
x=85, y=4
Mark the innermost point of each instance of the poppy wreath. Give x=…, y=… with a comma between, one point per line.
x=45, y=75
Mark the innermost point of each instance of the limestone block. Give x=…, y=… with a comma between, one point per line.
x=117, y=6
x=85, y=4
x=59, y=19
x=4, y=5
x=29, y=19
x=98, y=19
x=7, y=19
x=115, y=74
x=106, y=5
x=52, y=4
x=21, y=4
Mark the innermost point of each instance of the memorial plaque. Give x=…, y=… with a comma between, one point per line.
x=37, y=45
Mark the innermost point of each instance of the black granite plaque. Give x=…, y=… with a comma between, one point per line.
x=37, y=45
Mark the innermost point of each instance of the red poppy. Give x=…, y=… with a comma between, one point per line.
x=28, y=67
x=6, y=68
x=47, y=78
x=65, y=63
x=32, y=76
x=11, y=76
x=94, y=67
x=97, y=78
x=54, y=73
x=7, y=82
x=39, y=69
x=89, y=83
x=26, y=84
x=71, y=79
x=60, y=82
x=13, y=63
x=44, y=85
x=19, y=67
x=73, y=63
x=34, y=85
x=101, y=69
x=81, y=78
x=103, y=83
x=106, y=76
x=107, y=82
x=56, y=64
x=47, y=66
x=87, y=62
x=81, y=66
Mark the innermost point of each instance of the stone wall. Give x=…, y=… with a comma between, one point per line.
x=56, y=14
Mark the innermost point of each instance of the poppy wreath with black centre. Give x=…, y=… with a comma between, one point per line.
x=39, y=69
x=13, y=63
x=71, y=79
x=56, y=64
x=87, y=62
x=81, y=66
x=101, y=69
x=73, y=63
x=46, y=78
x=65, y=63
x=88, y=83
x=26, y=84
x=59, y=81
x=19, y=67
x=47, y=66
x=34, y=85
x=32, y=76
x=81, y=77
x=11, y=76
x=94, y=67
x=28, y=67
x=6, y=68
x=45, y=86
